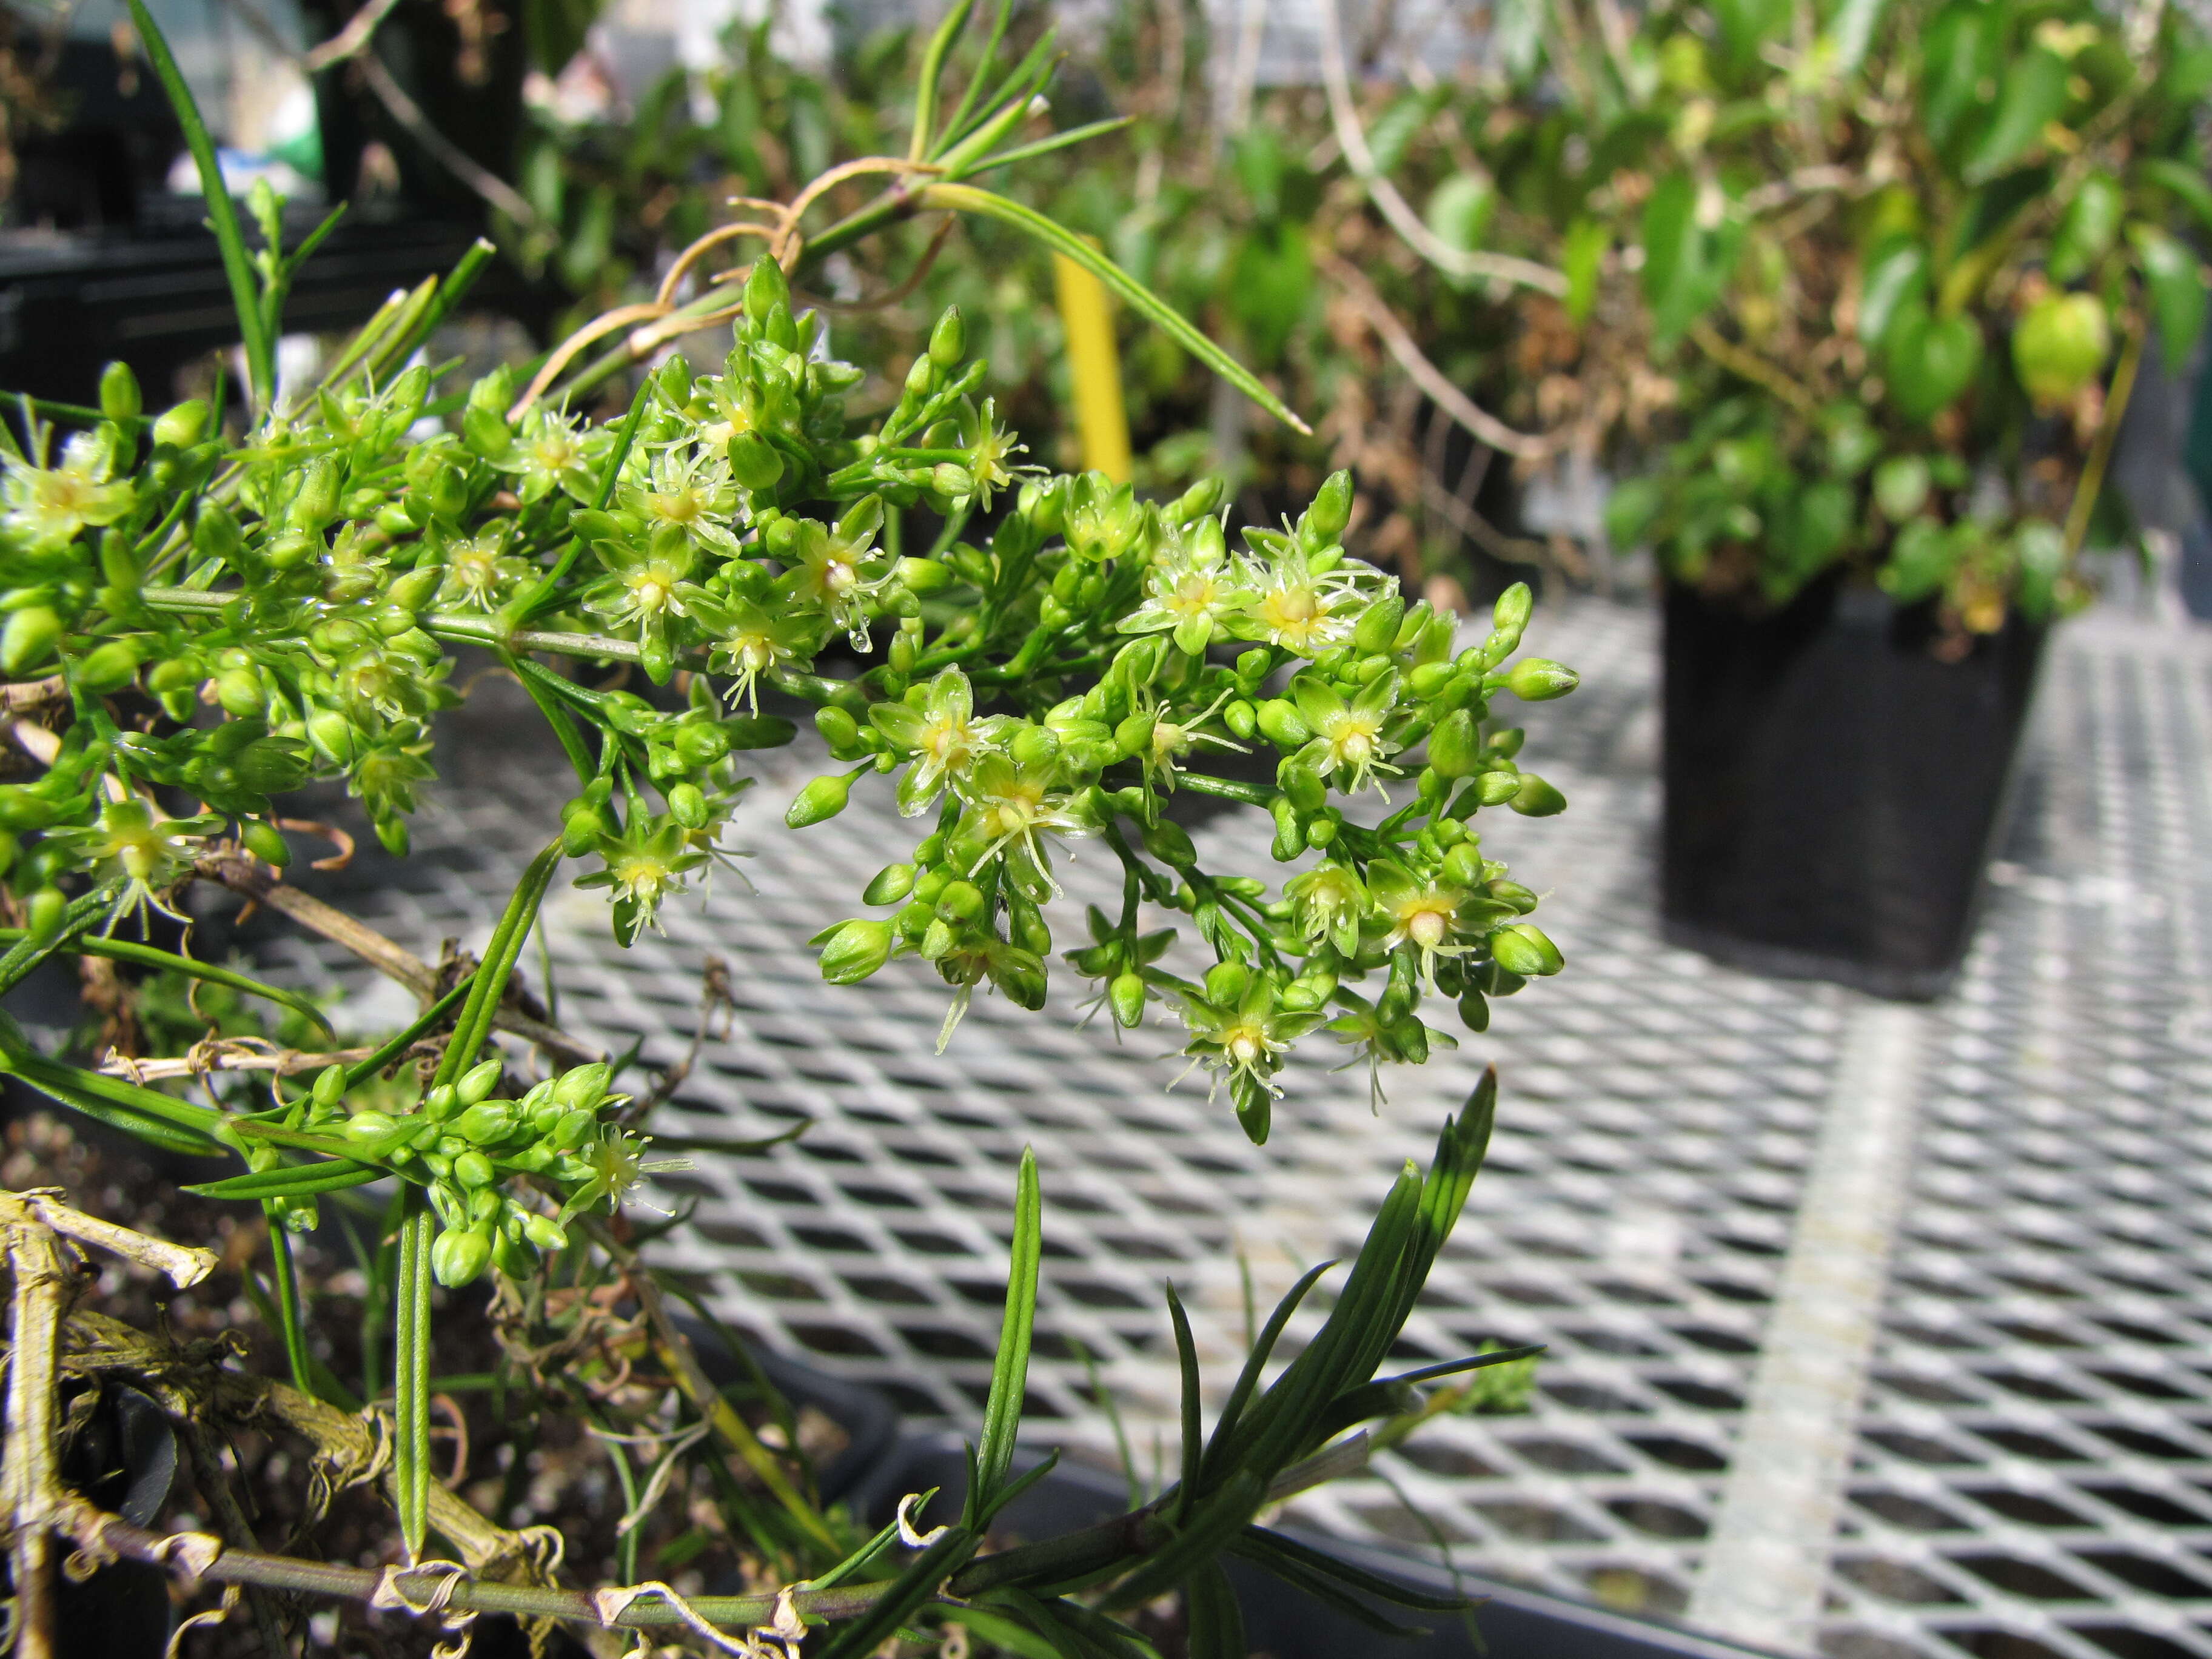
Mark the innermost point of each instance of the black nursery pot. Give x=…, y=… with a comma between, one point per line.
x=1833, y=789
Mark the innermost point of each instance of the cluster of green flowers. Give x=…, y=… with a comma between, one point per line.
x=1062, y=660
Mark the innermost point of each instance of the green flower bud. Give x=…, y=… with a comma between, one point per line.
x=1513, y=893
x=1377, y=627
x=479, y=1080
x=1240, y=718
x=1034, y=746
x=266, y=843
x=472, y=1168
x=948, y=341
x=1536, y=799
x=583, y=1085
x=687, y=804
x=544, y=1232
x=1510, y=613
x=108, y=668
x=1226, y=982
x=961, y=901
x=44, y=913
x=1324, y=520
x=1280, y=723
x=755, y=462
x=1523, y=949
x=317, y=503
x=1198, y=501
x=118, y=393
x=822, y=798
x=370, y=1131
x=1019, y=977
x=1126, y=996
x=458, y=1257
x=1303, y=785
x=180, y=426
x=572, y=1129
x=922, y=575
x=765, y=290
x=1169, y=842
x=1454, y=746
x=29, y=638
x=855, y=950
x=330, y=1087
x=1289, y=830
x=1323, y=831
x=441, y=1103
x=240, y=692
x=513, y=1256
x=1538, y=679
x=891, y=884
x=1463, y=865
x=21, y=808
x=1496, y=788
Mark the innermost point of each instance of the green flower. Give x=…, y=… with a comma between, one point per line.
x=1192, y=589
x=1244, y=1040
x=1349, y=744
x=688, y=489
x=1422, y=911
x=991, y=455
x=936, y=724
x=549, y=453
x=46, y=507
x=1327, y=904
x=751, y=643
x=148, y=854
x=839, y=570
x=479, y=575
x=1011, y=804
x=612, y=1168
x=1286, y=604
x=640, y=589
x=645, y=865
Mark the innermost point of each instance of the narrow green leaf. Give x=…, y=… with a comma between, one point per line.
x=299, y=1181
x=966, y=198
x=907, y=1593
x=1248, y=1380
x=1010, y=1371
x=1203, y=1537
x=1022, y=82
x=1091, y=1633
x=1216, y=1623
x=955, y=123
x=410, y=1455
x=222, y=212
x=441, y=300
x=1046, y=146
x=1326, y=1590
x=1192, y=1435
x=489, y=983
x=1001, y=1632
x=1265, y=1548
x=287, y=1302
x=23, y=957
x=357, y=1075
x=517, y=616
x=933, y=66
x=191, y=1128
x=117, y=950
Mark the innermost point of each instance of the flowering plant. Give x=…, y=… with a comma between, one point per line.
x=1055, y=662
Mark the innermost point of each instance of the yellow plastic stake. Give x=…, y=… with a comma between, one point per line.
x=1102, y=420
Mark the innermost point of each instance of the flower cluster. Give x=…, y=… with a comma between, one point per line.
x=1060, y=661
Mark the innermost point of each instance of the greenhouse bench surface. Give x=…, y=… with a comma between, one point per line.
x=2009, y=1188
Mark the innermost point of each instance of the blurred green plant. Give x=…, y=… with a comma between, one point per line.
x=1056, y=660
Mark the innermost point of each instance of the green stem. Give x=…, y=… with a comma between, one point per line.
x=288, y=1301
x=411, y=1375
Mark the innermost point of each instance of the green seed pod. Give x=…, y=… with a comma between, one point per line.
x=180, y=425
x=1377, y=627
x=891, y=884
x=856, y=950
x=544, y=1232
x=1473, y=1010
x=948, y=341
x=1126, y=996
x=822, y=798
x=1456, y=747
x=458, y=1257
x=472, y=1168
x=29, y=638
x=687, y=804
x=1523, y=949
x=478, y=1081
x=755, y=462
x=1510, y=613
x=1280, y=723
x=107, y=668
x=1324, y=520
x=266, y=843
x=1536, y=799
x=1538, y=679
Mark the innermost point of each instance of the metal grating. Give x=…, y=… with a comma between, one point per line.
x=2033, y=1472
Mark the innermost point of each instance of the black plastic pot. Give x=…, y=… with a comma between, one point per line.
x=1834, y=787
x=1510, y=1623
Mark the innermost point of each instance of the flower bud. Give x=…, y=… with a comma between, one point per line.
x=1169, y=842
x=486, y=1123
x=473, y=1169
x=921, y=377
x=266, y=843
x=1496, y=788
x=1513, y=893
x=1463, y=865
x=1126, y=996
x=1510, y=613
x=765, y=290
x=1240, y=718
x=1377, y=627
x=572, y=1129
x=1473, y=1010
x=30, y=637
x=479, y=1080
x=891, y=884
x=441, y=1103
x=108, y=668
x=1290, y=831
x=239, y=690
x=370, y=1131
x=1281, y=724
x=1226, y=982
x=1456, y=747
x=822, y=798
x=118, y=393
x=1198, y=501
x=755, y=462
x=1302, y=784
x=583, y=1085
x=458, y=1257
x=413, y=590
x=961, y=901
x=1536, y=799
x=21, y=808
x=44, y=913
x=1324, y=520
x=1539, y=679
x=856, y=950
x=948, y=341
x=330, y=1087
x=544, y=1232
x=1523, y=949
x=1034, y=746
x=180, y=425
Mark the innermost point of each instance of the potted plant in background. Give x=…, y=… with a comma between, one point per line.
x=1905, y=261
x=206, y=611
